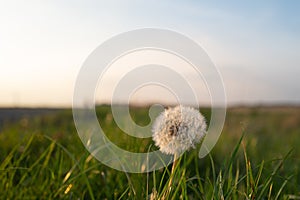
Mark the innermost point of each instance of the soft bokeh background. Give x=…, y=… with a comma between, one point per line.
x=255, y=45
x=43, y=44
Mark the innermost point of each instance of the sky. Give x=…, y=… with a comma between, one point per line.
x=254, y=44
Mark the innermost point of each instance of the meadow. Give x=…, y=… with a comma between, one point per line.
x=256, y=157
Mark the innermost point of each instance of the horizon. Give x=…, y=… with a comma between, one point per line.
x=236, y=105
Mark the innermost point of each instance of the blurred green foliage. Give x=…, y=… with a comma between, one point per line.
x=42, y=157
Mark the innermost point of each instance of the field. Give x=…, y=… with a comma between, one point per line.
x=256, y=157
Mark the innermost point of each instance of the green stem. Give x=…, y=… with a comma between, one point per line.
x=171, y=177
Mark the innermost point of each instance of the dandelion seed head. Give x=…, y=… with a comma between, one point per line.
x=178, y=129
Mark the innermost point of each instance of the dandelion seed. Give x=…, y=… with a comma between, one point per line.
x=178, y=129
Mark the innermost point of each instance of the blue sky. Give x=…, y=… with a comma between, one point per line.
x=255, y=44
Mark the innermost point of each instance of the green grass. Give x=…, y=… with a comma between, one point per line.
x=256, y=157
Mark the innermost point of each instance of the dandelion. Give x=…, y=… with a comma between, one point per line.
x=178, y=129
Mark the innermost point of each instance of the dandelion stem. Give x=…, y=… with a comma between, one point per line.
x=173, y=169
x=172, y=175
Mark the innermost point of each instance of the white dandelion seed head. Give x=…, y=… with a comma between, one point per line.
x=178, y=129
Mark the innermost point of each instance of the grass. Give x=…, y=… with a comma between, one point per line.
x=256, y=157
